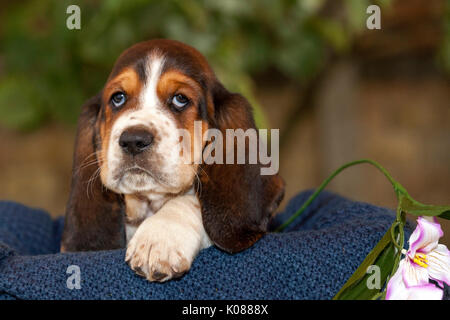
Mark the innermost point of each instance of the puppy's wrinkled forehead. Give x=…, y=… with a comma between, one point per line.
x=165, y=55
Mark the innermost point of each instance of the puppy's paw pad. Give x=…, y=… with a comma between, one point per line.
x=158, y=276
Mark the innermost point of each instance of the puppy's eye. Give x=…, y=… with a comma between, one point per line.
x=180, y=101
x=118, y=99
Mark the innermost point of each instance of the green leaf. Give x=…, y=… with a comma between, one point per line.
x=359, y=290
x=416, y=208
x=445, y=215
x=381, y=255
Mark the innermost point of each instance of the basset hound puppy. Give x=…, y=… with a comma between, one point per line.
x=129, y=187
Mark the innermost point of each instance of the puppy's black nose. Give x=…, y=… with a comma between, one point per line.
x=135, y=140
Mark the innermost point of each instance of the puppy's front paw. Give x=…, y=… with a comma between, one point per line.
x=161, y=249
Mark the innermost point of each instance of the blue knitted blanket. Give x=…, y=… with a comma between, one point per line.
x=311, y=259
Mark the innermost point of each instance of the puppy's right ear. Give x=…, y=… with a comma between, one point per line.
x=94, y=215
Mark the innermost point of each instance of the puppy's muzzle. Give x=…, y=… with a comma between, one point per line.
x=135, y=140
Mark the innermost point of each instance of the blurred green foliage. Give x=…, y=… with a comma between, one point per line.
x=47, y=71
x=444, y=54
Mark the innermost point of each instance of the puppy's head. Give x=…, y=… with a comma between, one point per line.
x=156, y=90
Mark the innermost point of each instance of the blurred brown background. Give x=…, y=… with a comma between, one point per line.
x=386, y=98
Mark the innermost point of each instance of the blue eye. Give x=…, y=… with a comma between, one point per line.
x=118, y=99
x=180, y=101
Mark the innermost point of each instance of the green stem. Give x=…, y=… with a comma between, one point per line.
x=400, y=223
x=377, y=296
x=396, y=224
x=396, y=186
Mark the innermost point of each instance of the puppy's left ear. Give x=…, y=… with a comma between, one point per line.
x=94, y=215
x=237, y=201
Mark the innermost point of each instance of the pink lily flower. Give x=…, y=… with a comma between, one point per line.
x=426, y=259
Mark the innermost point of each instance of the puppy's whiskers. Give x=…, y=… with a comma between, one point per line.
x=198, y=191
x=85, y=163
x=90, y=182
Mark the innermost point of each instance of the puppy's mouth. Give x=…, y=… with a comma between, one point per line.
x=133, y=172
x=137, y=179
x=136, y=170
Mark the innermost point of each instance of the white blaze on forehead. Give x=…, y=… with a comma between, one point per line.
x=153, y=70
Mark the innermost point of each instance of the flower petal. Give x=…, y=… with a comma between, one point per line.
x=425, y=292
x=396, y=289
x=439, y=264
x=413, y=274
x=425, y=237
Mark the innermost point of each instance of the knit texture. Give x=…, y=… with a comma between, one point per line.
x=311, y=259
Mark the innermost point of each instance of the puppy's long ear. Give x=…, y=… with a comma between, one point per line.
x=237, y=201
x=94, y=215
